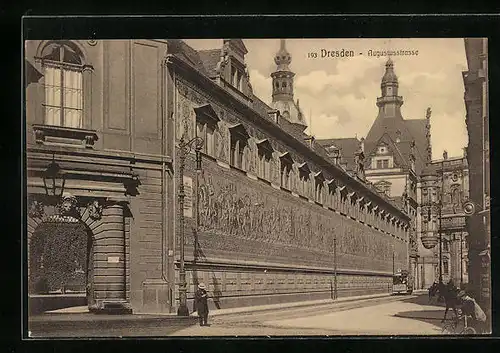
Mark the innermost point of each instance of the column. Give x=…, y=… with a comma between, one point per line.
x=109, y=255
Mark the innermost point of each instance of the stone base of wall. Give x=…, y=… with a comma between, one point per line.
x=38, y=304
x=154, y=297
x=230, y=289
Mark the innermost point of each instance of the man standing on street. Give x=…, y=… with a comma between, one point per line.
x=200, y=298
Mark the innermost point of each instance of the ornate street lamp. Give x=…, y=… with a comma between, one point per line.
x=54, y=179
x=184, y=150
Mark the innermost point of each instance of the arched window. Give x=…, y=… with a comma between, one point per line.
x=63, y=67
x=455, y=196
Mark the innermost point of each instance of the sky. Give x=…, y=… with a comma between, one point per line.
x=338, y=94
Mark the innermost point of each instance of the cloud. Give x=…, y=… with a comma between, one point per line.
x=261, y=85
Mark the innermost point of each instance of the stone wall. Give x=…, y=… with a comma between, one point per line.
x=259, y=243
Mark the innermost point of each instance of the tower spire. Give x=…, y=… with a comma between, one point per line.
x=283, y=57
x=283, y=76
x=389, y=103
x=282, y=93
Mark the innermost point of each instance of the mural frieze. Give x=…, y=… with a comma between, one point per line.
x=249, y=213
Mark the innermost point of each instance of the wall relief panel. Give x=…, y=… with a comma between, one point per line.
x=259, y=213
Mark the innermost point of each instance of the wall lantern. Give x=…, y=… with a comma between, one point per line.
x=429, y=240
x=54, y=179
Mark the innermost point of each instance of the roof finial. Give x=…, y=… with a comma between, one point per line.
x=389, y=75
x=283, y=57
x=389, y=62
x=283, y=44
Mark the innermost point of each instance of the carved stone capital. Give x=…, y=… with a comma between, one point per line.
x=36, y=209
x=95, y=208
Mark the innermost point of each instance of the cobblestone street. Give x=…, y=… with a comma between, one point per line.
x=397, y=315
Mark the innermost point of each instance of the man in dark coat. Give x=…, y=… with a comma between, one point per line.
x=200, y=298
x=471, y=307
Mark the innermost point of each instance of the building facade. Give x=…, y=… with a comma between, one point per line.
x=268, y=218
x=395, y=152
x=398, y=162
x=477, y=120
x=444, y=191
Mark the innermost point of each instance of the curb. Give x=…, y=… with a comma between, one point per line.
x=93, y=322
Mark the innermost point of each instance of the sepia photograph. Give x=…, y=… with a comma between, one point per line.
x=257, y=187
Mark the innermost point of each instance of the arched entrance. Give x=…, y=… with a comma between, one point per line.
x=77, y=254
x=61, y=263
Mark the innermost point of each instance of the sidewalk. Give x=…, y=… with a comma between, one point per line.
x=79, y=318
x=288, y=305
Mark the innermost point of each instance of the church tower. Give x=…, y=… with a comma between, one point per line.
x=390, y=103
x=282, y=77
x=282, y=81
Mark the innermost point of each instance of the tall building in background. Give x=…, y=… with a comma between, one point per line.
x=477, y=120
x=398, y=162
x=444, y=190
x=282, y=96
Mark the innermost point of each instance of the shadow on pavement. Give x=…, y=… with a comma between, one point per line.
x=432, y=311
x=423, y=299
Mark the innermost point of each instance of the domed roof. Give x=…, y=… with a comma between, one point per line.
x=290, y=110
x=390, y=75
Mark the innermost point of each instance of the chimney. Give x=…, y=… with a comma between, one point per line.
x=445, y=155
x=362, y=144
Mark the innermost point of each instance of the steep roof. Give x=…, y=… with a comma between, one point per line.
x=411, y=130
x=417, y=128
x=210, y=58
x=347, y=146
x=187, y=54
x=397, y=150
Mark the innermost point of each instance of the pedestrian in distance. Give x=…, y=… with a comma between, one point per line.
x=201, y=301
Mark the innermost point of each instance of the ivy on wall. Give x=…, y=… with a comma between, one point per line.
x=58, y=258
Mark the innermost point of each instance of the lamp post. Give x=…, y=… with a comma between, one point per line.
x=335, y=267
x=393, y=261
x=461, y=260
x=184, y=150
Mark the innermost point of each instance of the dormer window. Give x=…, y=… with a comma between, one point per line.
x=239, y=140
x=383, y=164
x=206, y=125
x=304, y=178
x=236, y=78
x=265, y=152
x=319, y=178
x=380, y=162
x=286, y=170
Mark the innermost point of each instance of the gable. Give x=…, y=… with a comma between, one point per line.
x=386, y=142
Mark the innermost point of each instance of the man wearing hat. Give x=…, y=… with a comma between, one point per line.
x=471, y=308
x=200, y=298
